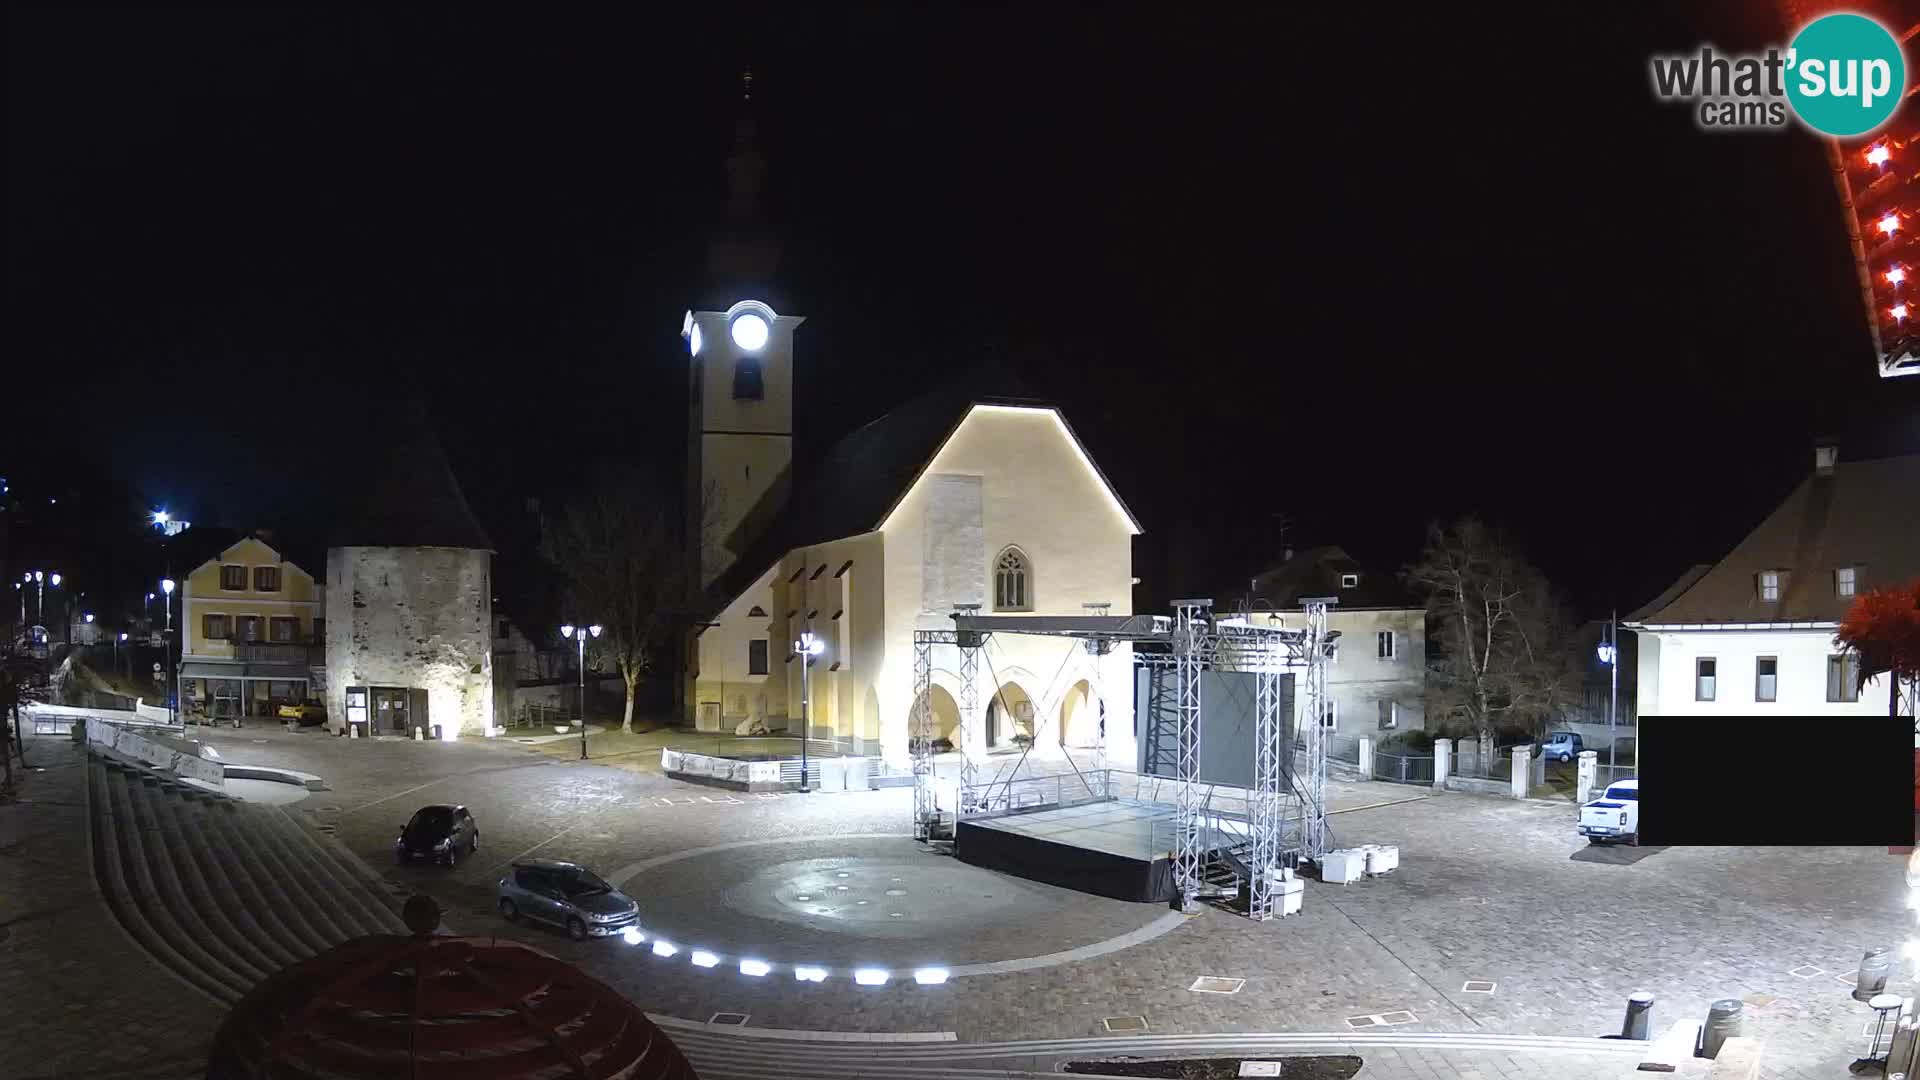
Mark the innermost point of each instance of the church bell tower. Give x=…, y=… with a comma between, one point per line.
x=740, y=353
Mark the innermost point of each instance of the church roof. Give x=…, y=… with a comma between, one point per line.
x=1852, y=518
x=405, y=494
x=872, y=468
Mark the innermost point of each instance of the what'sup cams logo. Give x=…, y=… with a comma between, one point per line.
x=1843, y=75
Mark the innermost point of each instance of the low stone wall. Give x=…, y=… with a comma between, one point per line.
x=184, y=762
x=726, y=772
x=1476, y=786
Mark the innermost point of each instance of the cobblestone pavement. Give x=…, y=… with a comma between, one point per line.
x=1487, y=889
x=77, y=997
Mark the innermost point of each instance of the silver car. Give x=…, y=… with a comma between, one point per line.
x=568, y=896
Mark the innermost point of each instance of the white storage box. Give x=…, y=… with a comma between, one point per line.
x=1292, y=891
x=1340, y=867
x=1382, y=858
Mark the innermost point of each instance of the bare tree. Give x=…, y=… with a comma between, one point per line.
x=1507, y=653
x=620, y=556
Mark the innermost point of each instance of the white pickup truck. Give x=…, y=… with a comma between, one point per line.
x=1615, y=815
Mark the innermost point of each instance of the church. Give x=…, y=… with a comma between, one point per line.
x=972, y=495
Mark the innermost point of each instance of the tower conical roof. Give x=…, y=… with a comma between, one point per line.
x=404, y=493
x=743, y=253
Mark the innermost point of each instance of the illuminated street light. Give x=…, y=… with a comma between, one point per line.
x=579, y=634
x=173, y=699
x=1899, y=312
x=1897, y=275
x=1878, y=155
x=809, y=646
x=1610, y=655
x=1889, y=223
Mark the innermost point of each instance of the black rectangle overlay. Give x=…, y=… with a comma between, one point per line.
x=1780, y=781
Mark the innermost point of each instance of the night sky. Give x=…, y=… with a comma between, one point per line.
x=1358, y=274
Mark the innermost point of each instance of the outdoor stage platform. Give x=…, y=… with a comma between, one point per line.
x=1106, y=848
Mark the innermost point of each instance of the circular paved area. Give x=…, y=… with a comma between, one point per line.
x=1488, y=889
x=885, y=901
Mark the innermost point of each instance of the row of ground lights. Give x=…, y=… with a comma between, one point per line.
x=927, y=976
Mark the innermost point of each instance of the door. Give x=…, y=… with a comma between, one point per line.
x=390, y=711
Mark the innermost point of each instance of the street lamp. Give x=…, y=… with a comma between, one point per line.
x=1610, y=655
x=117, y=642
x=173, y=700
x=579, y=634
x=808, y=647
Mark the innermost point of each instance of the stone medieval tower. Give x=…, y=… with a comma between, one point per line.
x=409, y=596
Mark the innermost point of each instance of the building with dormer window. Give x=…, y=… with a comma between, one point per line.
x=1754, y=632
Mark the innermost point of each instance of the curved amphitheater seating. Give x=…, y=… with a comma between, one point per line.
x=222, y=892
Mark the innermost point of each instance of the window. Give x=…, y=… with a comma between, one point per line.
x=1766, y=679
x=246, y=627
x=283, y=628
x=1843, y=581
x=1704, y=670
x=1770, y=586
x=233, y=579
x=1843, y=677
x=747, y=383
x=1384, y=644
x=757, y=612
x=1330, y=715
x=320, y=630
x=214, y=627
x=1012, y=581
x=1349, y=581
x=266, y=579
x=757, y=656
x=1389, y=714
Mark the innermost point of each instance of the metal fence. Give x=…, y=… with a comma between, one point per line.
x=533, y=714
x=1603, y=776
x=1403, y=768
x=1344, y=748
x=1468, y=762
x=1035, y=792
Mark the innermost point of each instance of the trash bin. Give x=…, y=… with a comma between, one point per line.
x=1639, y=1021
x=1723, y=1023
x=857, y=769
x=1873, y=973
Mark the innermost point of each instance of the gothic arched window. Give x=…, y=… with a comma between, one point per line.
x=1012, y=581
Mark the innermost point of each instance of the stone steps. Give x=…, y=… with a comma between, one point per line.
x=221, y=892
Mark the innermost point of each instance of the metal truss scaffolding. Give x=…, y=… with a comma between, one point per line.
x=1314, y=726
x=1192, y=636
x=1285, y=811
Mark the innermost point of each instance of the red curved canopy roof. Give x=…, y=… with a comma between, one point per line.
x=429, y=1007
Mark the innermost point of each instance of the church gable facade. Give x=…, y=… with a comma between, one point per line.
x=1008, y=513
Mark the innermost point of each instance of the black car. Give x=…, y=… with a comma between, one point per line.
x=441, y=833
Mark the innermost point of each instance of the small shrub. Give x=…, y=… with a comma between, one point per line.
x=943, y=746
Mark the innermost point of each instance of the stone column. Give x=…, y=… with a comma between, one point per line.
x=1588, y=769
x=1442, y=761
x=1366, y=758
x=1522, y=770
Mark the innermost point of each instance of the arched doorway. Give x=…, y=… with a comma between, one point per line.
x=1079, y=717
x=1010, y=713
x=946, y=716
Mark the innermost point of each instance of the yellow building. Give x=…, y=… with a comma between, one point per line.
x=252, y=632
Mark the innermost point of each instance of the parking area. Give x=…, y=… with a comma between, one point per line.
x=1499, y=918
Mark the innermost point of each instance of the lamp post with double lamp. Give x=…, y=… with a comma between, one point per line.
x=166, y=641
x=808, y=647
x=1610, y=656
x=579, y=635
